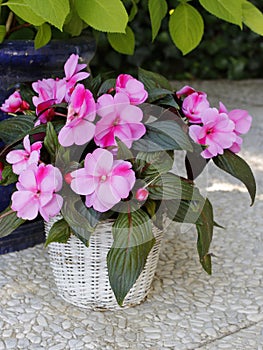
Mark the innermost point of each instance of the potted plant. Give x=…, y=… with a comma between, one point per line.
x=100, y=157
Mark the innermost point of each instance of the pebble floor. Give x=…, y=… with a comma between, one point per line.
x=185, y=309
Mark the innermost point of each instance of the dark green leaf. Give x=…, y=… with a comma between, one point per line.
x=59, y=232
x=51, y=141
x=154, y=163
x=123, y=151
x=9, y=222
x=157, y=94
x=15, y=128
x=237, y=167
x=184, y=211
x=204, y=227
x=163, y=136
x=170, y=186
x=8, y=177
x=106, y=86
x=133, y=240
x=153, y=80
x=194, y=162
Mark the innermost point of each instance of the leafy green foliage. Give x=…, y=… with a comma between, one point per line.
x=43, y=35
x=252, y=17
x=51, y=141
x=133, y=240
x=103, y=15
x=163, y=136
x=8, y=177
x=157, y=11
x=123, y=42
x=59, y=232
x=16, y=128
x=23, y=9
x=186, y=27
x=9, y=222
x=237, y=167
x=230, y=11
x=204, y=227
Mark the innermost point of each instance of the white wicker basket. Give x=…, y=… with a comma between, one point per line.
x=81, y=273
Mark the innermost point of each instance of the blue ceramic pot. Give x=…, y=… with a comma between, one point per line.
x=20, y=62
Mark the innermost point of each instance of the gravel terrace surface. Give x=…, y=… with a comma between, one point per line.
x=186, y=309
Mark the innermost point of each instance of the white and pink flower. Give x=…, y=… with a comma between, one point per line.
x=119, y=119
x=131, y=87
x=81, y=112
x=36, y=192
x=14, y=104
x=103, y=180
x=21, y=159
x=216, y=132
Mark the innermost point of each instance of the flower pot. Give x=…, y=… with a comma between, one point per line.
x=81, y=273
x=20, y=62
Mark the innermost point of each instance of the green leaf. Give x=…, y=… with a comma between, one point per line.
x=59, y=232
x=152, y=80
x=204, y=227
x=157, y=94
x=123, y=42
x=237, y=167
x=184, y=211
x=73, y=24
x=103, y=15
x=170, y=186
x=8, y=177
x=163, y=136
x=53, y=11
x=9, y=222
x=2, y=33
x=154, y=163
x=106, y=86
x=23, y=10
x=51, y=141
x=157, y=10
x=252, y=17
x=43, y=36
x=134, y=11
x=186, y=27
x=230, y=11
x=123, y=151
x=15, y=128
x=133, y=240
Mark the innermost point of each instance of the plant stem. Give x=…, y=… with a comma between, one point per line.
x=9, y=21
x=6, y=214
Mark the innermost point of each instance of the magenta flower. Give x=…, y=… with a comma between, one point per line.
x=217, y=132
x=142, y=194
x=50, y=92
x=119, y=119
x=132, y=87
x=242, y=121
x=103, y=181
x=37, y=187
x=81, y=111
x=14, y=104
x=73, y=73
x=185, y=91
x=193, y=106
x=22, y=159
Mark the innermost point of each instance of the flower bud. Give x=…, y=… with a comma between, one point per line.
x=141, y=194
x=68, y=178
x=1, y=170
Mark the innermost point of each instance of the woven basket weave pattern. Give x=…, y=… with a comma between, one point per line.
x=81, y=273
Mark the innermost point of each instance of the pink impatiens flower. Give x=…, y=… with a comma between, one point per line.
x=14, y=104
x=185, y=91
x=242, y=121
x=73, y=73
x=132, y=87
x=81, y=112
x=103, y=181
x=193, y=106
x=119, y=119
x=217, y=132
x=37, y=187
x=22, y=159
x=50, y=92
